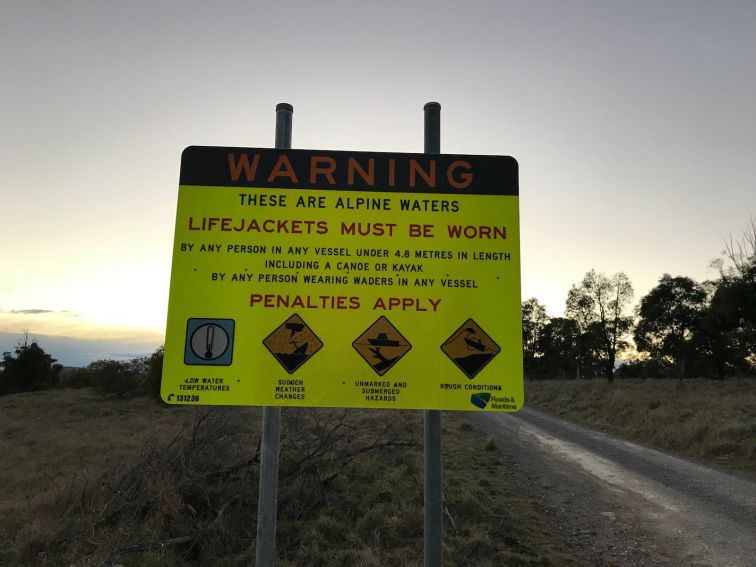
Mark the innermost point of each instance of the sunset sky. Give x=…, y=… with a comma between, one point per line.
x=634, y=125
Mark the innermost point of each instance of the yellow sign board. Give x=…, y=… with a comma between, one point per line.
x=345, y=279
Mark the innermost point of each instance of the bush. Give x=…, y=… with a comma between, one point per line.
x=154, y=373
x=122, y=378
x=74, y=378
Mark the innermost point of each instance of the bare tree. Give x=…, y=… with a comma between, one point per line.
x=742, y=253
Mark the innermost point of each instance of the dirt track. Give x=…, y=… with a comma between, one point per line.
x=622, y=504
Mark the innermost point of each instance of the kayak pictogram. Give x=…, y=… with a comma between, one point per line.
x=381, y=345
x=470, y=348
x=293, y=343
x=209, y=342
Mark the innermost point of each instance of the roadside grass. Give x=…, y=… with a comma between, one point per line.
x=709, y=420
x=93, y=481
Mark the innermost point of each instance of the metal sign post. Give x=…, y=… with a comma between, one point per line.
x=267, y=500
x=432, y=490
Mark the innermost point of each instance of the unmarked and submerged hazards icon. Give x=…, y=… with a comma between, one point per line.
x=381, y=345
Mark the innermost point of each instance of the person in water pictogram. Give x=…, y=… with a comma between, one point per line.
x=473, y=343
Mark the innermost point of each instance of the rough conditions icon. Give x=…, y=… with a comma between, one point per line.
x=470, y=348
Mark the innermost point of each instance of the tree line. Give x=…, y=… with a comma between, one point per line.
x=30, y=368
x=681, y=328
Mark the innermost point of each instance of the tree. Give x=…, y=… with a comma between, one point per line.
x=559, y=346
x=598, y=304
x=729, y=324
x=30, y=369
x=670, y=315
x=728, y=327
x=534, y=320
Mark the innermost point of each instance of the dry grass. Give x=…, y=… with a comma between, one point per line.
x=48, y=439
x=711, y=421
x=92, y=481
x=60, y=442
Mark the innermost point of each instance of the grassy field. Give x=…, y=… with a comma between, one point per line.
x=709, y=420
x=93, y=481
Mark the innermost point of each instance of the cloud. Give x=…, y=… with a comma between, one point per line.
x=64, y=323
x=30, y=311
x=38, y=312
x=123, y=355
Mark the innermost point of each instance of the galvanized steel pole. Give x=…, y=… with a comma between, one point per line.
x=433, y=487
x=284, y=113
x=267, y=500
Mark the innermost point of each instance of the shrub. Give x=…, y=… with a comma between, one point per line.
x=122, y=378
x=154, y=373
x=76, y=378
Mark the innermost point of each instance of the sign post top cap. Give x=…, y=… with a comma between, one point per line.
x=431, y=106
x=284, y=106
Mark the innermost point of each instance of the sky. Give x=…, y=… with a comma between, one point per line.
x=633, y=124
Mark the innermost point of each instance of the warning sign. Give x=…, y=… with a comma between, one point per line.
x=293, y=343
x=470, y=348
x=381, y=345
x=345, y=279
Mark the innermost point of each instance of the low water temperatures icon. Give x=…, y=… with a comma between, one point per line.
x=209, y=342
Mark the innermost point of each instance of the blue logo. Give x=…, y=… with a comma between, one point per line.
x=480, y=400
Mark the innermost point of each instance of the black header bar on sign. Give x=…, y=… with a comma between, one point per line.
x=359, y=171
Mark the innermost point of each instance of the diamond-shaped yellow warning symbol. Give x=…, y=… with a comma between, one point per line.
x=293, y=343
x=470, y=348
x=381, y=345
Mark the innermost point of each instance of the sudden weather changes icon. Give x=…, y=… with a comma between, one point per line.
x=209, y=342
x=381, y=345
x=470, y=348
x=293, y=343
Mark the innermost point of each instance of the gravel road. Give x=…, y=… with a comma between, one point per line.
x=622, y=504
